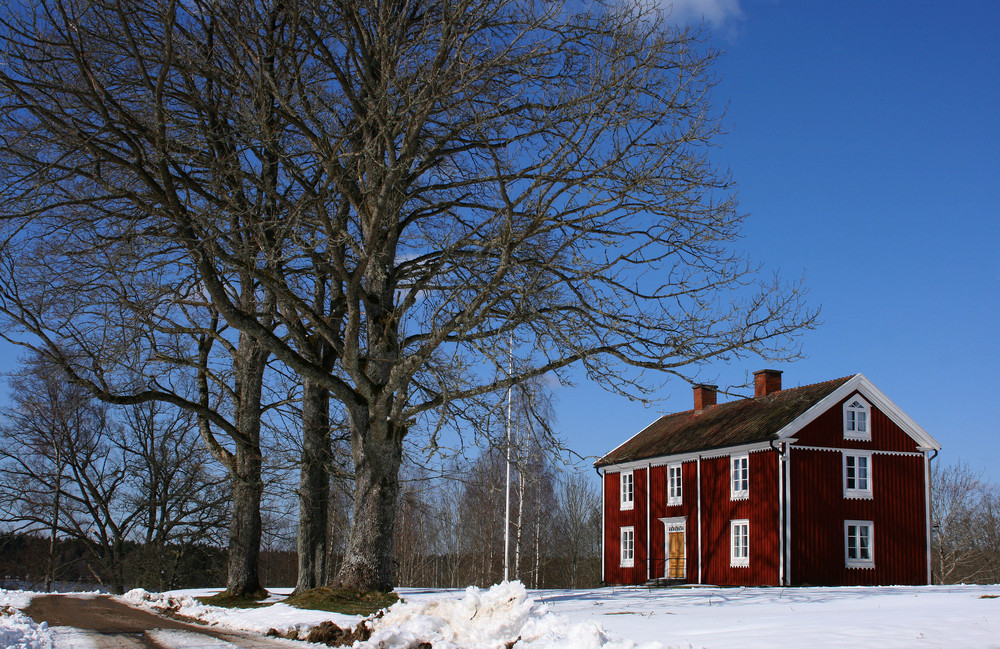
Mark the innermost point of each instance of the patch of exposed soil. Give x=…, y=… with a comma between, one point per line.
x=116, y=625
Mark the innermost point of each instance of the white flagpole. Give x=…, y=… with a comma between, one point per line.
x=506, y=517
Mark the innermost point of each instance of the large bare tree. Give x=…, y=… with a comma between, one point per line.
x=448, y=176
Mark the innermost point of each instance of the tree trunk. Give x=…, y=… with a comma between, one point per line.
x=314, y=488
x=50, y=569
x=377, y=446
x=245, y=526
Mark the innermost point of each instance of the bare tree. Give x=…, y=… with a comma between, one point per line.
x=69, y=468
x=183, y=499
x=451, y=173
x=964, y=513
x=579, y=528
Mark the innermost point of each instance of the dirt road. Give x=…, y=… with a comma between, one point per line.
x=110, y=624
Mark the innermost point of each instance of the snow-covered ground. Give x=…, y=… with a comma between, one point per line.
x=713, y=618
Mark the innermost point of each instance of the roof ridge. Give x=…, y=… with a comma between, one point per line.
x=741, y=421
x=842, y=379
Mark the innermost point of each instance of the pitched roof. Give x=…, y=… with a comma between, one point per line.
x=735, y=423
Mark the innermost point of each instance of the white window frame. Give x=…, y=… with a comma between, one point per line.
x=739, y=477
x=859, y=561
x=675, y=484
x=627, y=554
x=626, y=496
x=862, y=487
x=857, y=419
x=739, y=543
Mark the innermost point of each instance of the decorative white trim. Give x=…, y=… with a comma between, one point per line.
x=866, y=492
x=847, y=421
x=739, y=485
x=859, y=562
x=604, y=531
x=675, y=498
x=623, y=502
x=673, y=524
x=927, y=516
x=875, y=397
x=739, y=557
x=649, y=521
x=626, y=560
x=788, y=514
x=841, y=449
x=663, y=460
x=698, y=468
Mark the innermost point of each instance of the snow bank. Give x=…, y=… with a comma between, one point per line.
x=18, y=631
x=487, y=619
x=471, y=619
x=280, y=617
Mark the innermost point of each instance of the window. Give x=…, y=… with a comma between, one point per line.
x=859, y=544
x=857, y=475
x=627, y=490
x=741, y=477
x=739, y=544
x=628, y=547
x=856, y=419
x=674, y=485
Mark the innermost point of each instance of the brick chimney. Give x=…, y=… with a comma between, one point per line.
x=704, y=396
x=765, y=382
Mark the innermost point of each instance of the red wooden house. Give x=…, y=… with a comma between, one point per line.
x=825, y=484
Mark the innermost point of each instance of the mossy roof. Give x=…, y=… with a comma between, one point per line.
x=734, y=423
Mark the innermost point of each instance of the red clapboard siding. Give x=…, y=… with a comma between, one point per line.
x=761, y=509
x=827, y=430
x=897, y=511
x=659, y=509
x=615, y=519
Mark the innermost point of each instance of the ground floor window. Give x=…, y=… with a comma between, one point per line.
x=739, y=548
x=859, y=544
x=628, y=547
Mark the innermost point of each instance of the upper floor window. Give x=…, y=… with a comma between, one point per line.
x=857, y=475
x=628, y=547
x=859, y=544
x=857, y=419
x=627, y=490
x=740, y=482
x=674, y=485
x=739, y=543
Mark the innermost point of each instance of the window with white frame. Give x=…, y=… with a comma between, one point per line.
x=739, y=543
x=857, y=419
x=627, y=490
x=628, y=547
x=675, y=495
x=740, y=482
x=857, y=475
x=859, y=544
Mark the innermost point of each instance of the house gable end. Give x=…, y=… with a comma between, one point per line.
x=860, y=384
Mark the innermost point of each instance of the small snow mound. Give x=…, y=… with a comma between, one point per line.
x=18, y=631
x=500, y=617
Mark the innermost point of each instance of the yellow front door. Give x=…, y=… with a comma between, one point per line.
x=675, y=555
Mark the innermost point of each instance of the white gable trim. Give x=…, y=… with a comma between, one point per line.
x=861, y=384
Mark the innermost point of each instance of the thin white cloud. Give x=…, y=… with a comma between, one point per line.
x=717, y=12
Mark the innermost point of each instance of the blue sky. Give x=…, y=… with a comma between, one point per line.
x=865, y=140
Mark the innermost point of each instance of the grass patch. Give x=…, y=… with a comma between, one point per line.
x=225, y=600
x=348, y=602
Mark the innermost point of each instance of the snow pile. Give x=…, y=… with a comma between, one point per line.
x=486, y=619
x=17, y=630
x=280, y=617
